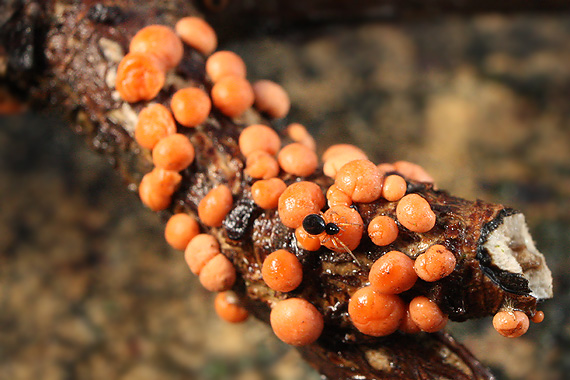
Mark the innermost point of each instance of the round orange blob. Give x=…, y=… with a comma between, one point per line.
x=511, y=324
x=392, y=273
x=340, y=149
x=198, y=34
x=394, y=188
x=413, y=171
x=232, y=95
x=307, y=241
x=384, y=168
x=415, y=213
x=299, y=200
x=174, y=152
x=538, y=317
x=298, y=133
x=218, y=274
x=259, y=137
x=155, y=122
x=180, y=229
x=214, y=207
x=139, y=77
x=435, y=263
x=190, y=106
x=225, y=63
x=383, y=230
x=260, y=164
x=282, y=271
x=298, y=160
x=337, y=197
x=201, y=249
x=228, y=308
x=351, y=227
x=426, y=314
x=361, y=180
x=266, y=193
x=271, y=98
x=157, y=187
x=374, y=313
x=408, y=325
x=296, y=322
x=160, y=41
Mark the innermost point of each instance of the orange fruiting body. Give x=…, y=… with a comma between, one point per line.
x=198, y=34
x=157, y=187
x=266, y=193
x=307, y=241
x=214, y=207
x=361, y=180
x=374, y=313
x=190, y=106
x=155, y=122
x=232, y=95
x=180, y=230
x=271, y=98
x=393, y=273
x=413, y=171
x=538, y=317
x=225, y=63
x=282, y=271
x=160, y=41
x=227, y=307
x=350, y=226
x=383, y=230
x=415, y=213
x=386, y=168
x=174, y=152
x=394, y=188
x=511, y=324
x=298, y=160
x=435, y=263
x=201, y=249
x=299, y=200
x=298, y=133
x=337, y=197
x=426, y=314
x=218, y=274
x=340, y=149
x=259, y=137
x=139, y=77
x=296, y=322
x=408, y=325
x=260, y=164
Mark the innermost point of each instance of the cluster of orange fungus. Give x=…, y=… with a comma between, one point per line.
x=155, y=122
x=336, y=156
x=261, y=165
x=214, y=207
x=374, y=313
x=161, y=42
x=435, y=263
x=511, y=323
x=299, y=200
x=394, y=188
x=350, y=224
x=298, y=133
x=427, y=315
x=393, y=273
x=415, y=213
x=201, y=249
x=306, y=240
x=139, y=77
x=232, y=95
x=180, y=230
x=298, y=160
x=337, y=197
x=282, y=271
x=271, y=98
x=259, y=137
x=383, y=230
x=296, y=322
x=198, y=34
x=361, y=180
x=174, y=152
x=266, y=193
x=225, y=63
x=157, y=187
x=190, y=106
x=228, y=308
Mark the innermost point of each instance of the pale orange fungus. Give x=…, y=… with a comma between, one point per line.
x=426, y=314
x=266, y=193
x=298, y=160
x=201, y=249
x=282, y=271
x=415, y=213
x=298, y=133
x=271, y=98
x=413, y=171
x=225, y=63
x=260, y=164
x=218, y=274
x=374, y=313
x=383, y=230
x=232, y=95
x=511, y=324
x=228, y=308
x=139, y=77
x=337, y=197
x=361, y=180
x=155, y=122
x=198, y=34
x=160, y=41
x=190, y=106
x=393, y=273
x=157, y=187
x=299, y=200
x=259, y=137
x=180, y=229
x=214, y=207
x=174, y=152
x=296, y=322
x=435, y=263
x=394, y=188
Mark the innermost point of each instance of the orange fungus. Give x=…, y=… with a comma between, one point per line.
x=139, y=77
x=374, y=313
x=392, y=273
x=296, y=322
x=299, y=200
x=282, y=271
x=180, y=229
x=155, y=122
x=214, y=207
x=415, y=213
x=160, y=41
x=190, y=106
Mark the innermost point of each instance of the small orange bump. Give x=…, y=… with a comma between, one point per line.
x=214, y=207
x=435, y=263
x=413, y=171
x=201, y=249
x=155, y=122
x=299, y=200
x=296, y=322
x=361, y=180
x=260, y=164
x=271, y=98
x=139, y=77
x=306, y=241
x=160, y=41
x=157, y=187
x=374, y=313
x=350, y=224
x=190, y=106
x=225, y=63
x=174, y=152
x=511, y=324
x=426, y=314
x=228, y=308
x=415, y=213
x=232, y=95
x=383, y=230
x=298, y=160
x=538, y=317
x=266, y=193
x=394, y=188
x=340, y=149
x=180, y=229
x=335, y=163
x=337, y=197
x=298, y=133
x=259, y=137
x=198, y=34
x=218, y=274
x=386, y=168
x=408, y=325
x=393, y=273
x=282, y=271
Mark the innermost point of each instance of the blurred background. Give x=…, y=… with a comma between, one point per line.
x=90, y=290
